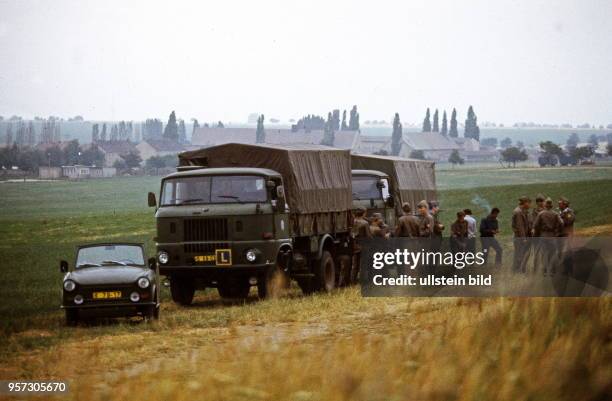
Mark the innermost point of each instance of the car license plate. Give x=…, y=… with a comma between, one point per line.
x=204, y=258
x=107, y=295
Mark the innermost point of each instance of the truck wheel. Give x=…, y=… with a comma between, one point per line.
x=306, y=285
x=234, y=289
x=182, y=291
x=72, y=317
x=271, y=284
x=325, y=273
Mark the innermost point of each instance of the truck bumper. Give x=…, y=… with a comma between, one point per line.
x=208, y=271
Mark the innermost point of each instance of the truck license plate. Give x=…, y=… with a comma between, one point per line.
x=222, y=257
x=107, y=295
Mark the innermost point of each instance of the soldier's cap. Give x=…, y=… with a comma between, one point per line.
x=406, y=205
x=564, y=200
x=433, y=204
x=361, y=210
x=540, y=198
x=524, y=199
x=548, y=202
x=422, y=203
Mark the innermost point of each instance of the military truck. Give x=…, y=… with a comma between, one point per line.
x=241, y=215
x=410, y=180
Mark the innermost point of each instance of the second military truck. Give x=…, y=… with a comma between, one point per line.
x=240, y=215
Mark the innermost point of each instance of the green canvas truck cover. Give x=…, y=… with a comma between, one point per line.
x=317, y=178
x=412, y=180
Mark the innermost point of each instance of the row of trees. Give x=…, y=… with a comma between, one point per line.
x=471, y=124
x=29, y=159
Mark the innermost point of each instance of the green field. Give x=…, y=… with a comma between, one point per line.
x=232, y=346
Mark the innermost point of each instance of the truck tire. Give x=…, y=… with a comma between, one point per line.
x=182, y=290
x=306, y=285
x=325, y=273
x=72, y=317
x=271, y=283
x=234, y=289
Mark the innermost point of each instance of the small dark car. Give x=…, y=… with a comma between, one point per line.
x=110, y=279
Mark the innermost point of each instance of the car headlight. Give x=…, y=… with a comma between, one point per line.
x=163, y=257
x=143, y=282
x=78, y=299
x=251, y=255
x=69, y=285
x=134, y=297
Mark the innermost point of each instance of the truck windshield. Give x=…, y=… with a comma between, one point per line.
x=213, y=189
x=366, y=187
x=101, y=255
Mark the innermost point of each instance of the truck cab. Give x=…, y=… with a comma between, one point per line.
x=371, y=191
x=220, y=227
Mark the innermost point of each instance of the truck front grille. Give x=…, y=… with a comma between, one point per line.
x=205, y=230
x=205, y=249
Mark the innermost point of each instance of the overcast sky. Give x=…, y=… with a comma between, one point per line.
x=542, y=61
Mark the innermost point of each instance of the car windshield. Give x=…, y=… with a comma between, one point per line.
x=366, y=187
x=104, y=255
x=213, y=189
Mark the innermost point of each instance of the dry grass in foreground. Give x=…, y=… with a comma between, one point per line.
x=357, y=349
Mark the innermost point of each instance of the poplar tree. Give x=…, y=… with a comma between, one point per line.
x=436, y=127
x=444, y=130
x=396, y=136
x=427, y=122
x=453, y=133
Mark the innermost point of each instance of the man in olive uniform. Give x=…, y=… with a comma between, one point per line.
x=568, y=216
x=549, y=226
x=522, y=232
x=377, y=226
x=360, y=231
x=407, y=225
x=535, y=243
x=459, y=233
x=426, y=222
x=438, y=227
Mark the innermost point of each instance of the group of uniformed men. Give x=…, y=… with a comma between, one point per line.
x=543, y=224
x=541, y=221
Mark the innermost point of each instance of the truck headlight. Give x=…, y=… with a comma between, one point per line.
x=163, y=257
x=69, y=285
x=143, y=282
x=251, y=255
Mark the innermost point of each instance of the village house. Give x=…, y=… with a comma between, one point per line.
x=158, y=147
x=79, y=172
x=114, y=150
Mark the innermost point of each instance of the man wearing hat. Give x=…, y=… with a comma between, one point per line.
x=522, y=232
x=568, y=216
x=407, y=225
x=426, y=222
x=535, y=243
x=549, y=226
x=377, y=226
x=438, y=227
x=360, y=231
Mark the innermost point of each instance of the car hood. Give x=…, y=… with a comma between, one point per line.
x=108, y=275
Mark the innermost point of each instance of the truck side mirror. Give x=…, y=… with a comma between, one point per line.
x=280, y=197
x=63, y=266
x=151, y=199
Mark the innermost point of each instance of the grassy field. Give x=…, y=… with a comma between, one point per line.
x=323, y=347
